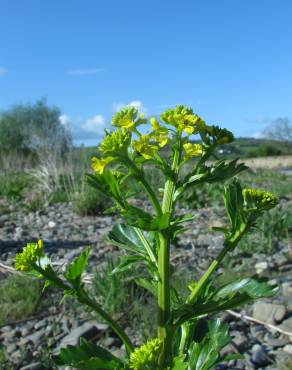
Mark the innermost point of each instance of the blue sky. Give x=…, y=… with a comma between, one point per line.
x=230, y=60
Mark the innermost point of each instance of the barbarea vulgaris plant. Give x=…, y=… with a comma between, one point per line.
x=182, y=341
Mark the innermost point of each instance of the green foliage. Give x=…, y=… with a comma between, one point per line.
x=88, y=356
x=14, y=186
x=19, y=297
x=89, y=202
x=27, y=127
x=145, y=237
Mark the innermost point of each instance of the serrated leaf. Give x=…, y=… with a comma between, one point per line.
x=205, y=354
x=88, y=356
x=75, y=269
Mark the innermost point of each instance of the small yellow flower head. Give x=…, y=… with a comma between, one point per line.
x=115, y=142
x=192, y=150
x=143, y=146
x=260, y=199
x=183, y=119
x=29, y=255
x=146, y=356
x=98, y=164
x=125, y=118
x=155, y=124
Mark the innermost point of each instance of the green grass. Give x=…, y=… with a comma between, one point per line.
x=124, y=299
x=13, y=186
x=89, y=202
x=19, y=297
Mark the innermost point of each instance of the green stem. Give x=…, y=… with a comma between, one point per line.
x=144, y=182
x=165, y=330
x=228, y=245
x=83, y=298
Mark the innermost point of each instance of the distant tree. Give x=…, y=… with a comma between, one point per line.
x=280, y=129
x=33, y=127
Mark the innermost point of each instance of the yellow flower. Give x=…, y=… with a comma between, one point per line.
x=115, y=142
x=125, y=118
x=30, y=254
x=155, y=124
x=159, y=134
x=192, y=150
x=98, y=164
x=143, y=146
x=146, y=357
x=183, y=119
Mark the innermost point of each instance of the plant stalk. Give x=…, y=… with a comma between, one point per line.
x=83, y=298
x=165, y=331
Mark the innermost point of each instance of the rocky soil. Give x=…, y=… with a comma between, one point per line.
x=28, y=343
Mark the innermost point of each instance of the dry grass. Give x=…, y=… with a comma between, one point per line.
x=277, y=162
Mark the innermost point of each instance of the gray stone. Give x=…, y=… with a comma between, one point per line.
x=3, y=219
x=35, y=338
x=41, y=324
x=268, y=312
x=276, y=342
x=262, y=267
x=88, y=330
x=287, y=325
x=240, y=341
x=10, y=348
x=259, y=355
x=287, y=289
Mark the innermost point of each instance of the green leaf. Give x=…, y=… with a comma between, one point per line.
x=76, y=268
x=147, y=284
x=127, y=237
x=252, y=288
x=220, y=171
x=231, y=295
x=88, y=356
x=126, y=263
x=204, y=355
x=179, y=363
x=234, y=204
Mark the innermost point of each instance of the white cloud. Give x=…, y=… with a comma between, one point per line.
x=135, y=103
x=3, y=71
x=65, y=120
x=258, y=135
x=85, y=71
x=95, y=124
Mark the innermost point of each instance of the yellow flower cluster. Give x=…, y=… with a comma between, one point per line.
x=192, y=150
x=184, y=119
x=159, y=133
x=260, y=199
x=144, y=147
x=146, y=356
x=29, y=255
x=115, y=142
x=98, y=164
x=127, y=118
